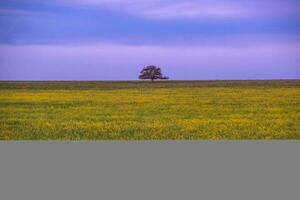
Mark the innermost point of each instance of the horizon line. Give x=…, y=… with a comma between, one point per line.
x=136, y=80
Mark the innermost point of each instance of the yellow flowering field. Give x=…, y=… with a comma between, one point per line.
x=170, y=110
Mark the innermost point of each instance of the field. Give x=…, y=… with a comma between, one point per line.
x=150, y=111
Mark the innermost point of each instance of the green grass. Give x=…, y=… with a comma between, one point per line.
x=142, y=110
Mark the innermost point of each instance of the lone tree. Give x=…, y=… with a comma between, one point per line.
x=152, y=72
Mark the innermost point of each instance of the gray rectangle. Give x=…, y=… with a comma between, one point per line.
x=258, y=170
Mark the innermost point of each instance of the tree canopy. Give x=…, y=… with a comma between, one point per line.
x=152, y=72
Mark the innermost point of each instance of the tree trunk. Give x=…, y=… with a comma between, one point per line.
x=152, y=79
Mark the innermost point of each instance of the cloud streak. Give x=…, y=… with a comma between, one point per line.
x=200, y=9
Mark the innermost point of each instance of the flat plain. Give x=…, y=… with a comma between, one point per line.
x=140, y=110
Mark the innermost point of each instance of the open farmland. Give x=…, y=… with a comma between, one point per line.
x=134, y=110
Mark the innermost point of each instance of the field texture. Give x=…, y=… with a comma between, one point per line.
x=144, y=110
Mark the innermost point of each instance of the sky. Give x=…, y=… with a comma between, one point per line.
x=115, y=39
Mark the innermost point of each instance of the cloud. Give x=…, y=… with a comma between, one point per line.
x=188, y=9
x=99, y=20
x=23, y=12
x=200, y=9
x=191, y=10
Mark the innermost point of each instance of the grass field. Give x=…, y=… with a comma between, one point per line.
x=144, y=110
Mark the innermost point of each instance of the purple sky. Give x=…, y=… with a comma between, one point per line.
x=114, y=39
